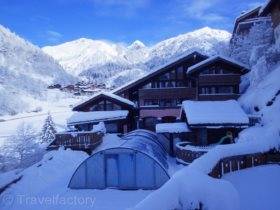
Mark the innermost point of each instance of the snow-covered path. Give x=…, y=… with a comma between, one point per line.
x=258, y=187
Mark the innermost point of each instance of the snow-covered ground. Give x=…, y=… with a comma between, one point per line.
x=258, y=187
x=58, y=104
x=44, y=187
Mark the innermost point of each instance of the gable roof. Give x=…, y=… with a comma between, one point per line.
x=199, y=66
x=105, y=95
x=265, y=9
x=96, y=116
x=244, y=16
x=214, y=113
x=159, y=70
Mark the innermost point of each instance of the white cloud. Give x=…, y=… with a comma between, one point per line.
x=53, y=36
x=201, y=10
x=126, y=8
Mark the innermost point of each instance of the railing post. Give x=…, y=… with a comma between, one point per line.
x=222, y=166
x=238, y=165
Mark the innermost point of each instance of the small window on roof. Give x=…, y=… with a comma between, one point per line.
x=98, y=107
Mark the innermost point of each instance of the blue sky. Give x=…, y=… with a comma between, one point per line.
x=51, y=22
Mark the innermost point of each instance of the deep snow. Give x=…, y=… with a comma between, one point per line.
x=258, y=187
x=44, y=187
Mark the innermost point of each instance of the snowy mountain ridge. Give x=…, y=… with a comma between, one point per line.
x=27, y=75
x=99, y=59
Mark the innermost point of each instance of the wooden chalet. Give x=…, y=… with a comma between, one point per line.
x=268, y=13
x=159, y=95
x=246, y=20
x=116, y=112
x=272, y=9
x=213, y=122
x=217, y=78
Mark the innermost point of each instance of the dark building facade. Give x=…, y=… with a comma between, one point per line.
x=112, y=108
x=268, y=13
x=159, y=95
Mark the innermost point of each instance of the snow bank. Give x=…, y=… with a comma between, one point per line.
x=41, y=179
x=208, y=161
x=255, y=183
x=8, y=177
x=85, y=117
x=187, y=188
x=214, y=112
x=172, y=128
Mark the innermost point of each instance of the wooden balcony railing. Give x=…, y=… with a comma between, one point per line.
x=77, y=140
x=186, y=153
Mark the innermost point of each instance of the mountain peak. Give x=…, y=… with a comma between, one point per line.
x=212, y=32
x=137, y=45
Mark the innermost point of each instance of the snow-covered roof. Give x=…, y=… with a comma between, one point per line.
x=106, y=94
x=97, y=116
x=248, y=12
x=179, y=127
x=228, y=60
x=158, y=69
x=265, y=6
x=118, y=98
x=227, y=113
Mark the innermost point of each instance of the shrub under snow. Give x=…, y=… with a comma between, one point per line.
x=188, y=190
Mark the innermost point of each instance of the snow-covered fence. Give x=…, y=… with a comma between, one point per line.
x=186, y=153
x=235, y=163
x=77, y=140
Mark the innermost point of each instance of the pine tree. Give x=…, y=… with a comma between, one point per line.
x=48, y=131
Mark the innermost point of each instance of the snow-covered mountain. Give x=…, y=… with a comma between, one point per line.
x=99, y=59
x=25, y=70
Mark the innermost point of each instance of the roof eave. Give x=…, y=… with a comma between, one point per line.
x=140, y=80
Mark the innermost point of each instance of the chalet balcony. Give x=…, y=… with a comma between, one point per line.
x=167, y=93
x=218, y=97
x=222, y=79
x=77, y=140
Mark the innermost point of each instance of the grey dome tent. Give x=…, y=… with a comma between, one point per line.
x=140, y=162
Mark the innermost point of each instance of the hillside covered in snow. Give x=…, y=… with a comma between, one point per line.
x=25, y=72
x=100, y=60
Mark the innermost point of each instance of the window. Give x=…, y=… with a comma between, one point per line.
x=151, y=102
x=98, y=107
x=163, y=84
x=206, y=71
x=216, y=90
x=179, y=102
x=109, y=106
x=149, y=123
x=164, y=77
x=147, y=86
x=172, y=74
x=111, y=127
x=225, y=89
x=171, y=84
x=180, y=72
x=181, y=84
x=215, y=70
x=167, y=103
